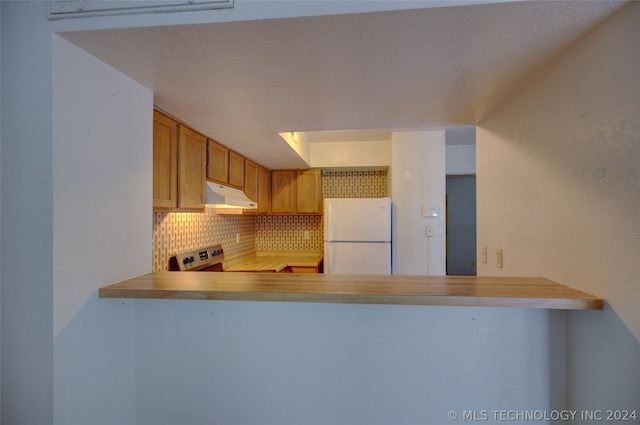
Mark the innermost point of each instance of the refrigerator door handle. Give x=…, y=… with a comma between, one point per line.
x=332, y=256
x=328, y=216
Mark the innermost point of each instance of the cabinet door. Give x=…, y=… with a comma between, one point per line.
x=264, y=191
x=251, y=180
x=300, y=269
x=218, y=162
x=283, y=191
x=236, y=170
x=192, y=151
x=308, y=192
x=165, y=161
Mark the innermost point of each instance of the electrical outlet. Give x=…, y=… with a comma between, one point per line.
x=484, y=255
x=428, y=230
x=305, y=234
x=237, y=237
x=499, y=258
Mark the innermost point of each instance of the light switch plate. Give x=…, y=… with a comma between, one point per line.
x=430, y=210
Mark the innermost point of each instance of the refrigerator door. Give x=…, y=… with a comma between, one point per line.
x=366, y=219
x=357, y=258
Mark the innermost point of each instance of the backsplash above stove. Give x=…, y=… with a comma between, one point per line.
x=178, y=232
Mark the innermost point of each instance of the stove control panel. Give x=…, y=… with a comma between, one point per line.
x=200, y=258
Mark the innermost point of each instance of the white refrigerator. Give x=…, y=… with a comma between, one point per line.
x=357, y=235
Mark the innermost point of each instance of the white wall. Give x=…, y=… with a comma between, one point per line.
x=557, y=188
x=418, y=178
x=460, y=150
x=0, y=212
x=461, y=160
x=204, y=362
x=26, y=237
x=102, y=167
x=375, y=153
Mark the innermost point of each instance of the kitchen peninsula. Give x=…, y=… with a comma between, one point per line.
x=485, y=291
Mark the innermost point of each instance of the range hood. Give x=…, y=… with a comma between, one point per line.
x=220, y=196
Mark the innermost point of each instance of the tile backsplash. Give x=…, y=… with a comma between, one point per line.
x=354, y=184
x=287, y=233
x=177, y=232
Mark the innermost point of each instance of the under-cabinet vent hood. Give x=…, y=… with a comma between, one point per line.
x=220, y=196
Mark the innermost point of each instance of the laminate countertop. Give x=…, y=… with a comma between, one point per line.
x=520, y=292
x=267, y=262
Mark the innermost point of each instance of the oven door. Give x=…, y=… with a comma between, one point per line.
x=212, y=268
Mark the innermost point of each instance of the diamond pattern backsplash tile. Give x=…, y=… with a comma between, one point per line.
x=354, y=184
x=177, y=232
x=287, y=233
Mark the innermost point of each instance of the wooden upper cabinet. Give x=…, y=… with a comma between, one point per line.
x=296, y=192
x=264, y=191
x=192, y=154
x=283, y=191
x=165, y=162
x=217, y=162
x=309, y=192
x=236, y=170
x=251, y=180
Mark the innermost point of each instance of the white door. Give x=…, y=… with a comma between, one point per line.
x=357, y=258
x=366, y=219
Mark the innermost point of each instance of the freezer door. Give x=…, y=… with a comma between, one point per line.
x=357, y=258
x=366, y=219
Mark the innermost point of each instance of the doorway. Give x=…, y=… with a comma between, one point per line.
x=461, y=225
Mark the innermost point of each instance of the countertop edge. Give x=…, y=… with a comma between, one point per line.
x=139, y=288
